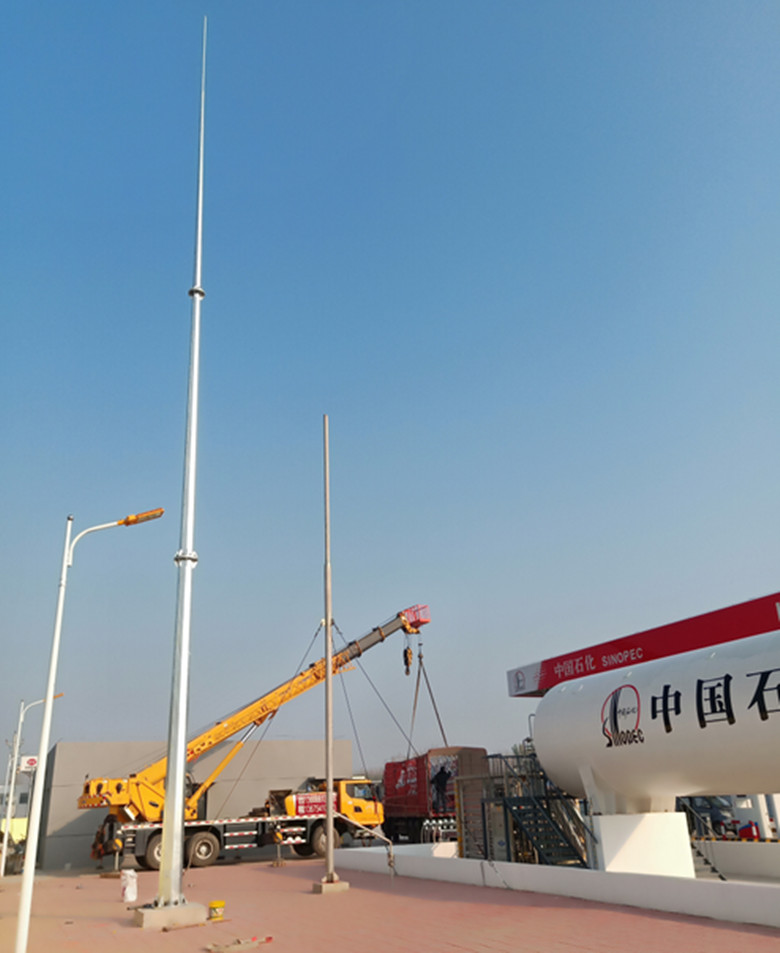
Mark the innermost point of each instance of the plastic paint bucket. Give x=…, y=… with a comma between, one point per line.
x=216, y=910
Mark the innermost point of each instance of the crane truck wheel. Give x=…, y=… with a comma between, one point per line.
x=318, y=840
x=153, y=854
x=202, y=849
x=303, y=850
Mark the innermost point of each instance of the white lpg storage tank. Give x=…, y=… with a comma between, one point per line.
x=633, y=739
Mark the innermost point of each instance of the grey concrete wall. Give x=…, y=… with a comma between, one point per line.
x=259, y=767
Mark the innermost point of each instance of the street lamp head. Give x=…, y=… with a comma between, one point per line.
x=141, y=517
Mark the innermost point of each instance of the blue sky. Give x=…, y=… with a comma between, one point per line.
x=524, y=256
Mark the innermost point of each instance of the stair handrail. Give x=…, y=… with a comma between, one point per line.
x=550, y=787
x=582, y=830
x=698, y=824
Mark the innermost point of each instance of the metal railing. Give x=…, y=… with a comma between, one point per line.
x=373, y=832
x=522, y=775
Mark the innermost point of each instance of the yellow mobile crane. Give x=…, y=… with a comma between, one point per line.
x=136, y=803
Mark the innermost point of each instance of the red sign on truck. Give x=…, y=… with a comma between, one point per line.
x=313, y=802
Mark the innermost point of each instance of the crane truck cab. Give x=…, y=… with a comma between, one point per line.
x=357, y=810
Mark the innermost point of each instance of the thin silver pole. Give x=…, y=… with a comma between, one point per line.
x=10, y=786
x=34, y=818
x=170, y=881
x=10, y=789
x=330, y=876
x=11, y=760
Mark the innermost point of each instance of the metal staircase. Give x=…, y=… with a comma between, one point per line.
x=703, y=867
x=702, y=834
x=550, y=842
x=515, y=813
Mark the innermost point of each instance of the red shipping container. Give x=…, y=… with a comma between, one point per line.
x=406, y=788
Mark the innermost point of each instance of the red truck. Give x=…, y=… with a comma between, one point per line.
x=419, y=793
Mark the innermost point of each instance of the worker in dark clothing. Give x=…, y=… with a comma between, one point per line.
x=439, y=782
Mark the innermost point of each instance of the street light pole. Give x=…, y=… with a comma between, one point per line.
x=34, y=819
x=11, y=783
x=10, y=786
x=7, y=774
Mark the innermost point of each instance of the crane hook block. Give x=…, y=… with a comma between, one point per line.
x=408, y=660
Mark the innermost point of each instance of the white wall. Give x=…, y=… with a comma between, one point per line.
x=735, y=902
x=643, y=844
x=745, y=860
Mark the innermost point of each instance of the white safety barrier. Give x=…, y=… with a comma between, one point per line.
x=735, y=902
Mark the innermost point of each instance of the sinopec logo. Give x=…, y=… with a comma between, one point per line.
x=620, y=718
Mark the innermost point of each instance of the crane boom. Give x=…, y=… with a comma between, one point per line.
x=141, y=796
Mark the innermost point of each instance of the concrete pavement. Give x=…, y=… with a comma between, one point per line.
x=81, y=912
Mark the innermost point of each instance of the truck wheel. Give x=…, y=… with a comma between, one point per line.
x=318, y=840
x=153, y=853
x=303, y=850
x=202, y=849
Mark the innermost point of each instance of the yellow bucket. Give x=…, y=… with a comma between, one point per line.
x=217, y=910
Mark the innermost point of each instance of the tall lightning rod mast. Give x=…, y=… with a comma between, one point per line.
x=330, y=874
x=170, y=882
